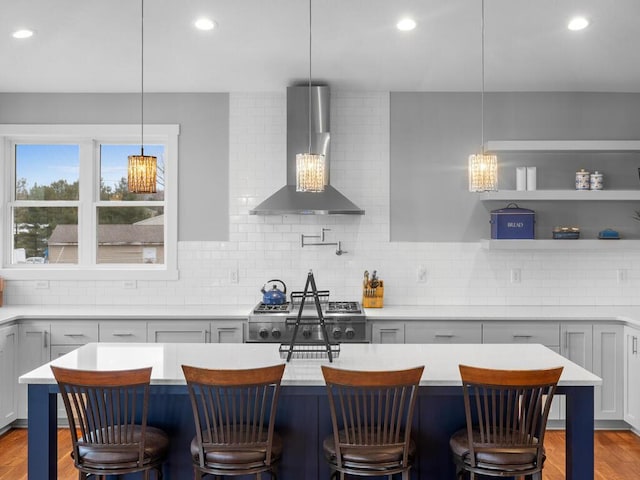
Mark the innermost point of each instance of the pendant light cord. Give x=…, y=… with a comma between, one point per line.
x=482, y=91
x=142, y=77
x=310, y=34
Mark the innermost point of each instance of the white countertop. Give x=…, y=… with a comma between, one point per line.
x=627, y=314
x=441, y=361
x=122, y=312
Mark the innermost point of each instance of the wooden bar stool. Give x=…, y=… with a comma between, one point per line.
x=371, y=414
x=107, y=412
x=234, y=413
x=506, y=413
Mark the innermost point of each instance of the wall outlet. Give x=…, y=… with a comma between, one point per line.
x=42, y=284
x=516, y=275
x=421, y=274
x=622, y=275
x=233, y=275
x=129, y=284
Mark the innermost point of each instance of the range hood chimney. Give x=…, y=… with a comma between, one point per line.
x=287, y=201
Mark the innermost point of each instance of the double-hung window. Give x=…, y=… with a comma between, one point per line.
x=66, y=208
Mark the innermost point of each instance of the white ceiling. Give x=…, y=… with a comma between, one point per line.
x=262, y=45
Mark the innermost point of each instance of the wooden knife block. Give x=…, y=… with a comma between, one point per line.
x=373, y=297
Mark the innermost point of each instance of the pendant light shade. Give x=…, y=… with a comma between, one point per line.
x=483, y=173
x=483, y=167
x=142, y=172
x=310, y=172
x=142, y=169
x=310, y=167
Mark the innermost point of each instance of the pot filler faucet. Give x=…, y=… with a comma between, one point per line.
x=339, y=250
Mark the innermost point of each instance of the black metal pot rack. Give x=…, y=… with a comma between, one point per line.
x=299, y=350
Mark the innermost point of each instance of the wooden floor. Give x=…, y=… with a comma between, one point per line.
x=617, y=455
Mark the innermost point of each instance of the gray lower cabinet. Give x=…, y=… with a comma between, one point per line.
x=442, y=332
x=631, y=376
x=387, y=332
x=8, y=374
x=196, y=331
x=608, y=359
x=35, y=350
x=546, y=333
x=224, y=331
x=118, y=331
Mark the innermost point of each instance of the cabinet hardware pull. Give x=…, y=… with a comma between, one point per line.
x=444, y=335
x=635, y=346
x=122, y=334
x=522, y=336
x=74, y=335
x=44, y=337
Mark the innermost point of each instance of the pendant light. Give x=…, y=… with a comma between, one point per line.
x=142, y=169
x=483, y=168
x=310, y=167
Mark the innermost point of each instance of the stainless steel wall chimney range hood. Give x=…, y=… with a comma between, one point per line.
x=287, y=201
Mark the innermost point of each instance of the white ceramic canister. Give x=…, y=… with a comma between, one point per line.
x=582, y=180
x=595, y=181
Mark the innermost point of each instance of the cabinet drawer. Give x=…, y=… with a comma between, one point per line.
x=547, y=333
x=178, y=332
x=131, y=331
x=74, y=333
x=443, y=332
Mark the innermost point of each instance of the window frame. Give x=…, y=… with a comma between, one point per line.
x=89, y=138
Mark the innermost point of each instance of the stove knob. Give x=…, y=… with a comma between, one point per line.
x=264, y=333
x=350, y=333
x=306, y=332
x=275, y=333
x=337, y=333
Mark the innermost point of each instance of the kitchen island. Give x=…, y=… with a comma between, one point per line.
x=303, y=413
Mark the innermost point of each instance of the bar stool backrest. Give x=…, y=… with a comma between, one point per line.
x=105, y=410
x=371, y=408
x=234, y=409
x=508, y=409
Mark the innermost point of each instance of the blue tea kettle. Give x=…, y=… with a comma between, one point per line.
x=274, y=296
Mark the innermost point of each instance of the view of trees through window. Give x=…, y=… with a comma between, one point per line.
x=48, y=232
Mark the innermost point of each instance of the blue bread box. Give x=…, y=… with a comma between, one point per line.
x=513, y=222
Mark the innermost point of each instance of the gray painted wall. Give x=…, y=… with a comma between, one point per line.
x=432, y=135
x=203, y=168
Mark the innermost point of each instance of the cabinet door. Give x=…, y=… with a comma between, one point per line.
x=608, y=354
x=227, y=332
x=35, y=348
x=387, y=332
x=577, y=343
x=631, y=377
x=8, y=374
x=443, y=332
x=129, y=331
x=178, y=332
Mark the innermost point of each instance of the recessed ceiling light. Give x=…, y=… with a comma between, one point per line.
x=205, y=24
x=406, y=24
x=23, y=33
x=578, y=23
